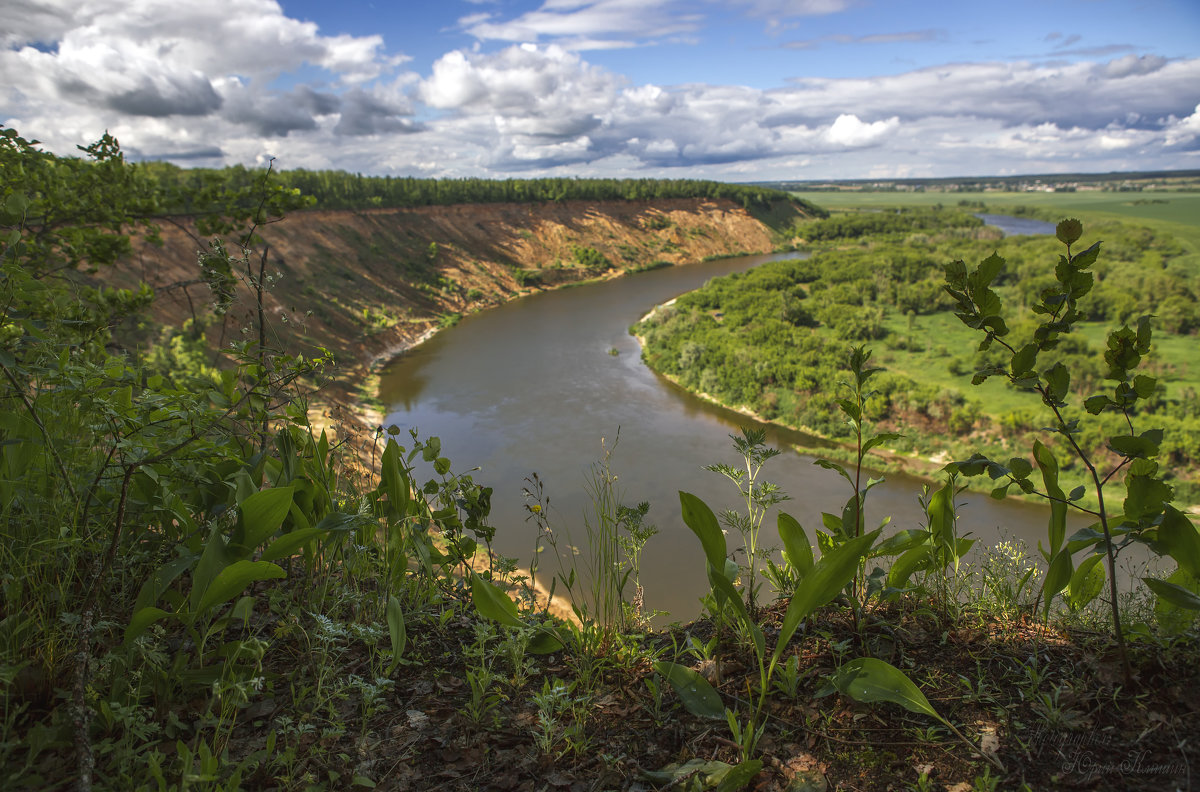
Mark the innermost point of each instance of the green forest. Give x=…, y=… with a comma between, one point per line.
x=201, y=590
x=197, y=190
x=771, y=339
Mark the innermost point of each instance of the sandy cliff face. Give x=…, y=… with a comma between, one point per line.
x=361, y=283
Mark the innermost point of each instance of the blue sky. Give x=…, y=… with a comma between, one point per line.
x=727, y=89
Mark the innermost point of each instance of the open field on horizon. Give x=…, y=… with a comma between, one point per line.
x=1177, y=212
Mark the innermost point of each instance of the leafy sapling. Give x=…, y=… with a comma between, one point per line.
x=1146, y=514
x=758, y=496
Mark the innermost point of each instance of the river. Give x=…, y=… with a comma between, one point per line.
x=533, y=386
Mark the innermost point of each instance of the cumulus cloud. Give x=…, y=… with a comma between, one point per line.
x=92, y=65
x=543, y=90
x=37, y=21
x=546, y=107
x=605, y=24
x=279, y=114
x=847, y=130
x=1090, y=95
x=237, y=80
x=1132, y=65
x=366, y=113
x=1185, y=131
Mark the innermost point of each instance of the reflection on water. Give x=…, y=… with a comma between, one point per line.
x=531, y=386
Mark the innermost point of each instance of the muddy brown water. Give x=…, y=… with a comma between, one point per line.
x=533, y=386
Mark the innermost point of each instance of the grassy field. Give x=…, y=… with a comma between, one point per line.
x=953, y=339
x=1176, y=212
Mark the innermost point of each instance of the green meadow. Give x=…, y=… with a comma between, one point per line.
x=1175, y=212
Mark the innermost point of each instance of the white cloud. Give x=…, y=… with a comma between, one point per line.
x=78, y=68
x=524, y=84
x=235, y=80
x=1183, y=131
x=785, y=9
x=589, y=24
x=849, y=131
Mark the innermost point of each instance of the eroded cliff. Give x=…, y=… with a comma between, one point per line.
x=364, y=283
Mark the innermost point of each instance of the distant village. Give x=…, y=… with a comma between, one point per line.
x=1072, y=182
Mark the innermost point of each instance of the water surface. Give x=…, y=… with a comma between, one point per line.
x=1016, y=226
x=533, y=385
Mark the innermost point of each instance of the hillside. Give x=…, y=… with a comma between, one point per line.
x=376, y=279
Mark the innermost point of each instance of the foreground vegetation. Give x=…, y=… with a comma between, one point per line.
x=202, y=591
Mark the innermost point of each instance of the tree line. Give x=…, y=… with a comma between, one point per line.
x=188, y=189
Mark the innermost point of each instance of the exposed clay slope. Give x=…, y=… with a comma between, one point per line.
x=375, y=279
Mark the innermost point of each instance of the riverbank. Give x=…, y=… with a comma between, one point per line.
x=915, y=465
x=926, y=468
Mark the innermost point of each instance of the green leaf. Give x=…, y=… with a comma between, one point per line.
x=1019, y=467
x=545, y=641
x=868, y=679
x=828, y=577
x=704, y=775
x=1024, y=359
x=1181, y=539
x=1144, y=386
x=160, y=579
x=1144, y=445
x=289, y=544
x=141, y=622
x=736, y=777
x=394, y=482
x=1058, y=382
x=703, y=523
x=941, y=520
x=835, y=467
x=1145, y=496
x=233, y=579
x=1096, y=404
x=697, y=694
x=900, y=542
x=1048, y=465
x=396, y=631
x=1086, y=583
x=263, y=513
x=988, y=269
x=1144, y=330
x=1175, y=595
x=494, y=604
x=904, y=566
x=1172, y=619
x=1057, y=578
x=213, y=559
x=796, y=547
x=880, y=439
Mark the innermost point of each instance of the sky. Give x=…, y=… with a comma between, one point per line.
x=735, y=90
